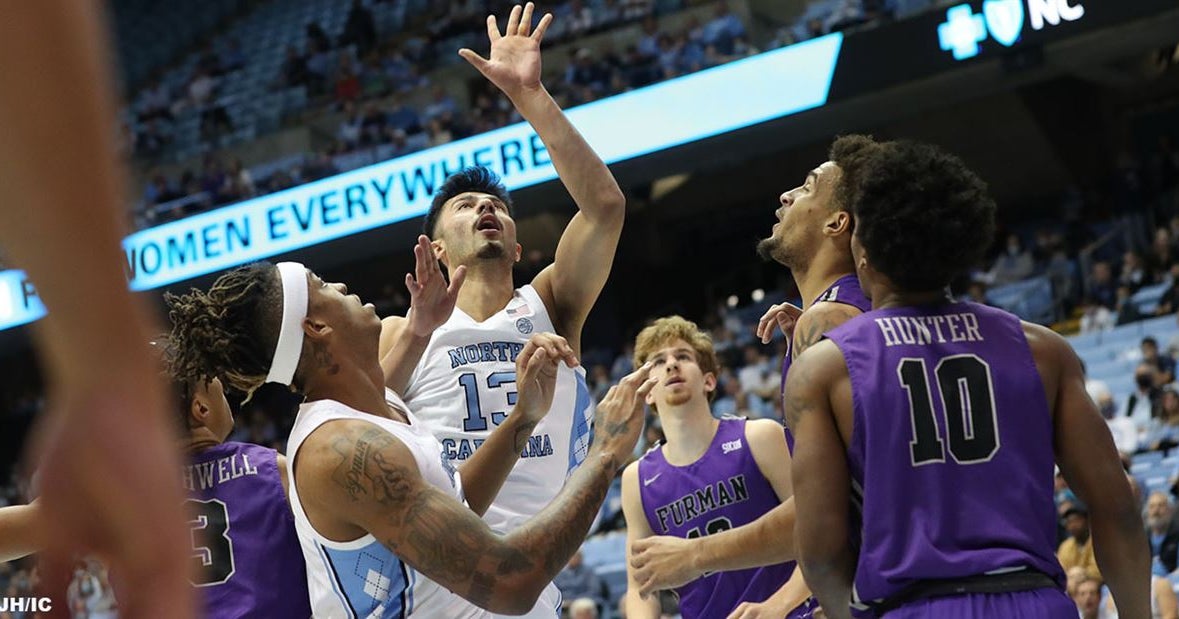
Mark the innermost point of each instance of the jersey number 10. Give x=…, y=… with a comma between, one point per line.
x=968, y=406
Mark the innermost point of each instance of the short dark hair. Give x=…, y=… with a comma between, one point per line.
x=229, y=332
x=474, y=178
x=1149, y=340
x=921, y=214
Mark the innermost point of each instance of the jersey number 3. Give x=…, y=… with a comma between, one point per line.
x=212, y=549
x=968, y=405
x=476, y=421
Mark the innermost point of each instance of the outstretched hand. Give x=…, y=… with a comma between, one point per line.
x=514, y=62
x=431, y=300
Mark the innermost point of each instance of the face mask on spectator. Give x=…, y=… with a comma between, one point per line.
x=1144, y=381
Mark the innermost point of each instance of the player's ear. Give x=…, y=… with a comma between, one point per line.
x=439, y=250
x=839, y=222
x=519, y=252
x=315, y=328
x=709, y=382
x=198, y=411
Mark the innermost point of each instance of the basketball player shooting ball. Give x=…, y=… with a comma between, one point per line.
x=465, y=381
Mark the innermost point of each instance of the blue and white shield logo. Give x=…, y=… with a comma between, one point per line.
x=1004, y=20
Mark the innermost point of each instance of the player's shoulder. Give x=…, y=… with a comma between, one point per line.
x=391, y=326
x=630, y=476
x=765, y=436
x=819, y=319
x=1044, y=341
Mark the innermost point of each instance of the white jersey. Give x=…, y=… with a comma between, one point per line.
x=464, y=386
x=362, y=578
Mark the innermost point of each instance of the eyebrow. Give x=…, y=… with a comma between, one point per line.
x=813, y=175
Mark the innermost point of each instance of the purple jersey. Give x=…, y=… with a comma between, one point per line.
x=722, y=490
x=845, y=290
x=952, y=448
x=246, y=556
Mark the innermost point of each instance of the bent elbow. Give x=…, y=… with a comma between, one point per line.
x=515, y=598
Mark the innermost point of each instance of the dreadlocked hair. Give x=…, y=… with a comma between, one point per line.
x=229, y=332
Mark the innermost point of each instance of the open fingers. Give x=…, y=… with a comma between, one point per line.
x=526, y=21
x=493, y=29
x=513, y=21
x=542, y=27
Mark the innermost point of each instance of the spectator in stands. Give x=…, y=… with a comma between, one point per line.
x=155, y=101
x=1135, y=273
x=580, y=18
x=758, y=375
x=1160, y=258
x=1077, y=550
x=241, y=182
x=1170, y=299
x=1102, y=287
x=359, y=29
x=347, y=82
x=583, y=608
x=294, y=68
x=440, y=103
x=579, y=581
x=1124, y=305
x=1163, y=364
x=1141, y=405
x=723, y=29
x=1012, y=265
x=1074, y=577
x=1088, y=598
x=349, y=130
x=1165, y=435
x=316, y=35
x=1163, y=530
x=232, y=57
x=401, y=116
x=319, y=67
x=585, y=72
x=1163, y=602
x=648, y=44
x=1095, y=317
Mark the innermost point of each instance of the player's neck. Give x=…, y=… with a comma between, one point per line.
x=817, y=278
x=689, y=430
x=486, y=290
x=884, y=299
x=199, y=440
x=358, y=385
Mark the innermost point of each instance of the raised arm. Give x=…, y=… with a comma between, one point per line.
x=585, y=253
x=639, y=604
x=441, y=537
x=1089, y=461
x=821, y=478
x=665, y=562
x=484, y=472
x=431, y=302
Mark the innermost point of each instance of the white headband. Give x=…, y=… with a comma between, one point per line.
x=290, y=335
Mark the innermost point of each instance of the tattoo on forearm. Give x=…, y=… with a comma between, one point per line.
x=468, y=559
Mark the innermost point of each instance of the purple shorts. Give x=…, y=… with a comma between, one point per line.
x=1034, y=604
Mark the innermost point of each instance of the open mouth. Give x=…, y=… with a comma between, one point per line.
x=674, y=381
x=488, y=222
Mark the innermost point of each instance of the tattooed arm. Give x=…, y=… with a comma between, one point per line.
x=374, y=485
x=817, y=320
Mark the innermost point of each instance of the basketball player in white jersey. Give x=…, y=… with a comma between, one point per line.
x=464, y=384
x=379, y=507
